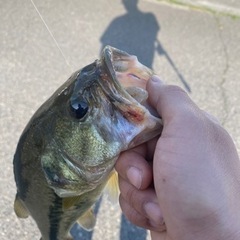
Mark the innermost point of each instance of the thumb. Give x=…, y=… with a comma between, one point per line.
x=170, y=101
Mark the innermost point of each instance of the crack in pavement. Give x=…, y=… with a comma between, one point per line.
x=224, y=72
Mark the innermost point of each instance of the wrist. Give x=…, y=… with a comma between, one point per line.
x=211, y=228
x=215, y=228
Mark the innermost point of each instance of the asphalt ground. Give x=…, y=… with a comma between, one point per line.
x=190, y=47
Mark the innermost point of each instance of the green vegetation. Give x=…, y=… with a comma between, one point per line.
x=201, y=8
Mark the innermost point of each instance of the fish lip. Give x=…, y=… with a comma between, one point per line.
x=110, y=56
x=136, y=75
x=124, y=70
x=108, y=61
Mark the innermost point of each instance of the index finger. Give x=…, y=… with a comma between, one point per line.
x=133, y=167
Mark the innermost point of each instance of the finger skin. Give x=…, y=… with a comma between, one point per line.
x=171, y=101
x=133, y=208
x=133, y=216
x=132, y=166
x=160, y=235
x=143, y=201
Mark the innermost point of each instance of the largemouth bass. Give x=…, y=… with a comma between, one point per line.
x=66, y=154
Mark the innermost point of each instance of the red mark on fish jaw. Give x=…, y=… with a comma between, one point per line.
x=134, y=115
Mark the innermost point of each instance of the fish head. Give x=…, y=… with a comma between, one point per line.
x=101, y=114
x=110, y=95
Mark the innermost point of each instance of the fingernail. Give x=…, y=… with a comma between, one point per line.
x=156, y=79
x=154, y=214
x=135, y=177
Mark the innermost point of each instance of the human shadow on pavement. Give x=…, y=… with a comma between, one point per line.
x=128, y=231
x=136, y=33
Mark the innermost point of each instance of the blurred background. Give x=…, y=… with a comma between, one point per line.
x=193, y=44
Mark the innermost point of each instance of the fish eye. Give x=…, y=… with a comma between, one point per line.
x=79, y=108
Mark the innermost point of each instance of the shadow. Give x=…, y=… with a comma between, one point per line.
x=136, y=33
x=161, y=51
x=129, y=231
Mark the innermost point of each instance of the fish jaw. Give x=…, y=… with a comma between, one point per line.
x=126, y=68
x=138, y=122
x=141, y=125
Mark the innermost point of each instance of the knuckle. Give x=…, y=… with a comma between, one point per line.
x=130, y=213
x=132, y=216
x=131, y=194
x=174, y=89
x=136, y=218
x=128, y=192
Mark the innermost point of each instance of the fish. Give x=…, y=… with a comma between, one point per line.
x=66, y=154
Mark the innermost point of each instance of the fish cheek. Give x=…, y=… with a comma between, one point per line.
x=62, y=176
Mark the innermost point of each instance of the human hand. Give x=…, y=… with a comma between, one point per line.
x=187, y=181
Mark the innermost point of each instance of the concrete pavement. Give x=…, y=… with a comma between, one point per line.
x=194, y=49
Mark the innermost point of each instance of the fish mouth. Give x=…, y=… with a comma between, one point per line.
x=128, y=76
x=125, y=69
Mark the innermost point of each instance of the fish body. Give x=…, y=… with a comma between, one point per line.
x=66, y=154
